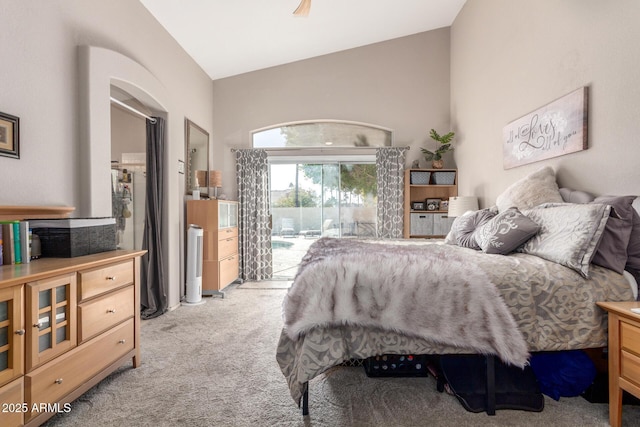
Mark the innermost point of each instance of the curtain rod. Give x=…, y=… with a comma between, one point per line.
x=133, y=110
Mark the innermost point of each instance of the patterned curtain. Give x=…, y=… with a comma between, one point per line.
x=390, y=167
x=254, y=216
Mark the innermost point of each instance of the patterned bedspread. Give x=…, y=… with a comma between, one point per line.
x=553, y=306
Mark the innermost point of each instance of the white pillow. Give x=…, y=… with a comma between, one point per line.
x=532, y=190
x=569, y=233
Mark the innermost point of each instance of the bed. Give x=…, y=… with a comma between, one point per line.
x=508, y=282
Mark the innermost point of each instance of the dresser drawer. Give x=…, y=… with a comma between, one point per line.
x=630, y=367
x=228, y=270
x=103, y=279
x=12, y=401
x=630, y=337
x=49, y=383
x=225, y=233
x=104, y=312
x=227, y=247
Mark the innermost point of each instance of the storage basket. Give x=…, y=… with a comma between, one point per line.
x=420, y=177
x=444, y=178
x=68, y=238
x=396, y=365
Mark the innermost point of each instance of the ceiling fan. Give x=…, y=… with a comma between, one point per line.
x=303, y=8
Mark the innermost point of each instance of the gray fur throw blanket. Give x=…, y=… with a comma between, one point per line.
x=429, y=291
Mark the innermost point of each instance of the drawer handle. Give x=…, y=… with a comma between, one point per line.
x=230, y=239
x=112, y=278
x=37, y=325
x=20, y=332
x=111, y=310
x=122, y=341
x=58, y=381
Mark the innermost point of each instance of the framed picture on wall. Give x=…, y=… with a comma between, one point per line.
x=9, y=136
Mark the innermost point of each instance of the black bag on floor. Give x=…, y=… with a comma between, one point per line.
x=484, y=383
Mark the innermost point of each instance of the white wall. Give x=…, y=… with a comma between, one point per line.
x=40, y=83
x=401, y=84
x=128, y=133
x=510, y=57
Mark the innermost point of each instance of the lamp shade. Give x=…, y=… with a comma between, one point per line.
x=215, y=178
x=461, y=204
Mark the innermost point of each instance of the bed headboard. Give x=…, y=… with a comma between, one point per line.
x=577, y=196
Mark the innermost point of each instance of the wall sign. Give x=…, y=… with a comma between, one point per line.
x=556, y=129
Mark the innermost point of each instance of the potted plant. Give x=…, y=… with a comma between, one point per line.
x=435, y=157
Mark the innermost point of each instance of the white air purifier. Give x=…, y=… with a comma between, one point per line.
x=194, y=266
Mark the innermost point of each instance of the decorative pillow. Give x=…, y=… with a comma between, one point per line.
x=452, y=237
x=532, y=190
x=575, y=196
x=611, y=252
x=456, y=226
x=633, y=250
x=569, y=233
x=505, y=232
x=469, y=224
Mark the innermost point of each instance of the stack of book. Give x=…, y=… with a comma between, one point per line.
x=15, y=242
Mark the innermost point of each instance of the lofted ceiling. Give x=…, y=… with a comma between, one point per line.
x=230, y=37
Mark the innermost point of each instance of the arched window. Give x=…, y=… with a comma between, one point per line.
x=322, y=133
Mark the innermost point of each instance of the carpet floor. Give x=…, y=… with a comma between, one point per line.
x=214, y=365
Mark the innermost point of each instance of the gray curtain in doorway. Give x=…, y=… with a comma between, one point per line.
x=153, y=289
x=390, y=172
x=252, y=171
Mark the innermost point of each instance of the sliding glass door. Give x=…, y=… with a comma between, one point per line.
x=312, y=200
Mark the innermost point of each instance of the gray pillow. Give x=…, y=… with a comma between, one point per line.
x=633, y=250
x=458, y=223
x=505, y=232
x=468, y=226
x=612, y=249
x=575, y=196
x=532, y=190
x=569, y=233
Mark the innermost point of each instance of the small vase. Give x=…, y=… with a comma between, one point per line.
x=437, y=164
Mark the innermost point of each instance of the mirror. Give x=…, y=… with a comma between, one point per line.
x=197, y=157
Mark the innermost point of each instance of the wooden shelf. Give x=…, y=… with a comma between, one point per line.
x=34, y=212
x=426, y=211
x=427, y=224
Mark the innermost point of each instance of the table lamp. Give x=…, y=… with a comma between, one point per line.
x=460, y=204
x=215, y=181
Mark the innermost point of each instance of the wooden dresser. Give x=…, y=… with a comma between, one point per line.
x=219, y=221
x=624, y=355
x=65, y=324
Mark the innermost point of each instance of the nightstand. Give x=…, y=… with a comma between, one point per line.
x=624, y=355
